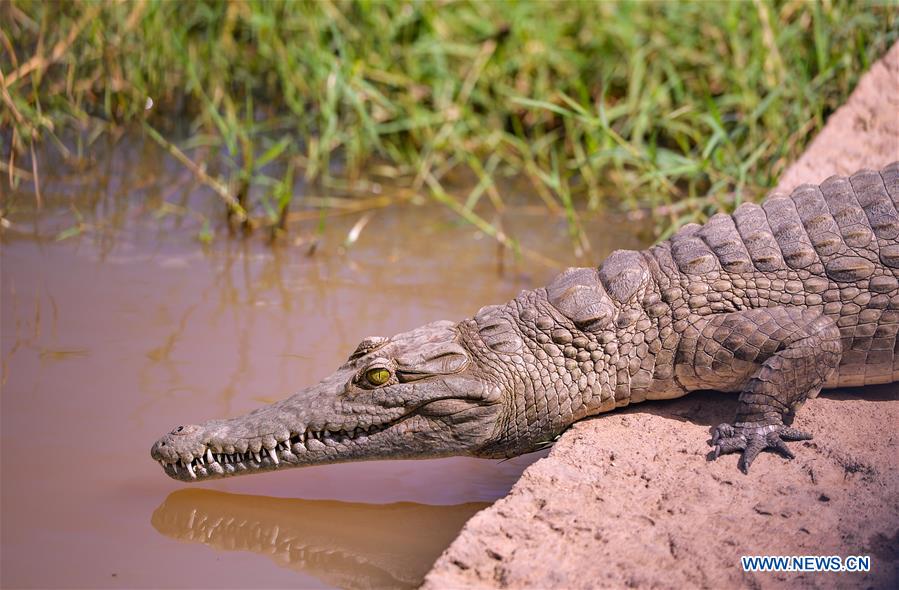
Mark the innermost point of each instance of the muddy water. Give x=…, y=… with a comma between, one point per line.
x=130, y=325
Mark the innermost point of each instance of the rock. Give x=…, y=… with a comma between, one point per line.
x=576, y=519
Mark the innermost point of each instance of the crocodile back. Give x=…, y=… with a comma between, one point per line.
x=832, y=247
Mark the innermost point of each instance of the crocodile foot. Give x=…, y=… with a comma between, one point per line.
x=752, y=440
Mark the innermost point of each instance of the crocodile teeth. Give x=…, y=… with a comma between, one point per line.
x=161, y=462
x=175, y=466
x=190, y=470
x=257, y=457
x=274, y=455
x=209, y=456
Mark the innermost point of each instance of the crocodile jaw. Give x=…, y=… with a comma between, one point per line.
x=221, y=457
x=202, y=452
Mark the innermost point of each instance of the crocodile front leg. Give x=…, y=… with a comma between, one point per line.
x=776, y=357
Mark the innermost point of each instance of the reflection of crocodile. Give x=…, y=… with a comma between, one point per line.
x=345, y=544
x=774, y=302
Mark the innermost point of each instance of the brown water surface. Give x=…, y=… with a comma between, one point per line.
x=129, y=326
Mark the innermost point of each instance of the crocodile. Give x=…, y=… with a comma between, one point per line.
x=773, y=303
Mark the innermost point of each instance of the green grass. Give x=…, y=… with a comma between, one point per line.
x=629, y=104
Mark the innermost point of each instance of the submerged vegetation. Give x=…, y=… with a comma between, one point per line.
x=686, y=107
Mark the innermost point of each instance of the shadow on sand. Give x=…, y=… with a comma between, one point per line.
x=710, y=408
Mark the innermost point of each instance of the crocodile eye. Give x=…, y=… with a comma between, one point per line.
x=378, y=376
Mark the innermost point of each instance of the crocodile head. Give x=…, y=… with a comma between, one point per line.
x=502, y=383
x=419, y=394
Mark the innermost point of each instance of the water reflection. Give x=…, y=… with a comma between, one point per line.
x=345, y=544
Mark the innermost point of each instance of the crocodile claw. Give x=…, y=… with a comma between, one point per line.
x=752, y=440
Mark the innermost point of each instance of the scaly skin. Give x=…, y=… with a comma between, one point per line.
x=776, y=302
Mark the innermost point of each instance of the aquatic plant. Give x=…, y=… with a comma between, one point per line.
x=684, y=107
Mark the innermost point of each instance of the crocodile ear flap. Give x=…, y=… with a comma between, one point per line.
x=579, y=296
x=370, y=344
x=439, y=358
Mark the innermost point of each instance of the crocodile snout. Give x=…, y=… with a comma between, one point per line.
x=181, y=442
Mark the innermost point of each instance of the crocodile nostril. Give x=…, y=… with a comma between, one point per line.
x=185, y=430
